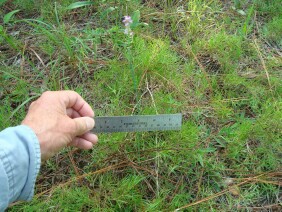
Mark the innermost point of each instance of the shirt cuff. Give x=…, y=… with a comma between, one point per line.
x=20, y=160
x=34, y=162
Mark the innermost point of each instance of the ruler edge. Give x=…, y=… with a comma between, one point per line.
x=179, y=114
x=143, y=116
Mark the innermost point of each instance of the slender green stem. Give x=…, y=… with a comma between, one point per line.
x=132, y=70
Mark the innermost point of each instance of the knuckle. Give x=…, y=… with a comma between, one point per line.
x=37, y=102
x=46, y=94
x=32, y=104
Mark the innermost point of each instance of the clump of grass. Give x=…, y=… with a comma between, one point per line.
x=224, y=48
x=268, y=8
x=273, y=30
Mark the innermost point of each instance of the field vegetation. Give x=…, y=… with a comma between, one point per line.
x=217, y=62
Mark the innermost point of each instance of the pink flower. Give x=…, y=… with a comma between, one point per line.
x=127, y=20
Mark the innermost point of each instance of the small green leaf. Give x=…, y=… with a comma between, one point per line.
x=107, y=11
x=135, y=19
x=221, y=144
x=241, y=12
x=79, y=4
x=200, y=160
x=9, y=15
x=136, y=16
x=209, y=149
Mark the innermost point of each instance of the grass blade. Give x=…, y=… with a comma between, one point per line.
x=22, y=104
x=79, y=4
x=9, y=15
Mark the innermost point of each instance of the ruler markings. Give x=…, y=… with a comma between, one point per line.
x=138, y=123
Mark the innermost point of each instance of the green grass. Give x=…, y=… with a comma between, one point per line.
x=219, y=64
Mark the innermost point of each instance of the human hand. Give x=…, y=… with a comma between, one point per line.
x=59, y=119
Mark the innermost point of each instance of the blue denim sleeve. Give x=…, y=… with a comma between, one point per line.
x=20, y=160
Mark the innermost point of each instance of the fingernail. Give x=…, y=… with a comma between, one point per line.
x=89, y=123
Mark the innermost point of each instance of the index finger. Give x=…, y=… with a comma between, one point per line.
x=73, y=100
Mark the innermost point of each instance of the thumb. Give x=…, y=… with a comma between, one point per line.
x=83, y=125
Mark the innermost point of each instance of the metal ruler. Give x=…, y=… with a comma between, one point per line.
x=137, y=123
